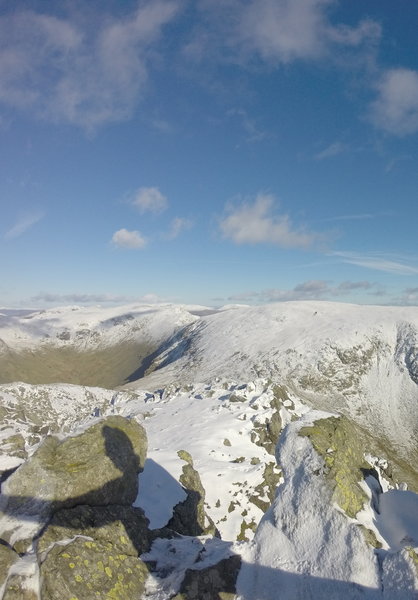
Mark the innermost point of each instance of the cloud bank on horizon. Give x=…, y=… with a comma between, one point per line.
x=193, y=151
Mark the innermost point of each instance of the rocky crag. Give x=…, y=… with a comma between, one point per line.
x=68, y=529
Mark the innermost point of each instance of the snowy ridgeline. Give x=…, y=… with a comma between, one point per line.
x=326, y=514
x=357, y=360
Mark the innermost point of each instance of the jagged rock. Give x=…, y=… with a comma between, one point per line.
x=97, y=473
x=189, y=517
x=337, y=440
x=14, y=445
x=265, y=491
x=7, y=558
x=266, y=433
x=213, y=583
x=17, y=589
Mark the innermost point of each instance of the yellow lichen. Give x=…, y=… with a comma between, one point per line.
x=108, y=571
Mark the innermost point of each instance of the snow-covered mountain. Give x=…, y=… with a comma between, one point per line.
x=88, y=346
x=295, y=424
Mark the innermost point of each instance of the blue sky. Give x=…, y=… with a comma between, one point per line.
x=208, y=152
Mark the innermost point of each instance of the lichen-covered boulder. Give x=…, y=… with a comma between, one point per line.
x=123, y=528
x=98, y=467
x=101, y=558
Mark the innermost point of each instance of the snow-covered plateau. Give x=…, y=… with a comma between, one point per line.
x=276, y=446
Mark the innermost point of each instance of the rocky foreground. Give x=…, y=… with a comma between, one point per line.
x=69, y=530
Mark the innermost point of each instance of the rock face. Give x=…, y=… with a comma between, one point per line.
x=78, y=493
x=213, y=583
x=68, y=529
x=98, y=467
x=189, y=516
x=7, y=558
x=105, y=559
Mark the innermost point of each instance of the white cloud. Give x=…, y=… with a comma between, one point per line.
x=395, y=109
x=378, y=261
x=24, y=223
x=277, y=31
x=366, y=31
x=76, y=71
x=177, y=226
x=332, y=150
x=128, y=239
x=283, y=30
x=149, y=199
x=255, y=223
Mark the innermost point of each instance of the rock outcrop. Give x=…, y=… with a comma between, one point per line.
x=189, y=516
x=68, y=529
x=69, y=507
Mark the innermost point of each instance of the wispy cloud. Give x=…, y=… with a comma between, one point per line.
x=378, y=261
x=22, y=225
x=177, y=226
x=256, y=223
x=278, y=31
x=354, y=217
x=395, y=109
x=316, y=289
x=77, y=71
x=149, y=199
x=332, y=150
x=132, y=240
x=252, y=131
x=409, y=297
x=48, y=298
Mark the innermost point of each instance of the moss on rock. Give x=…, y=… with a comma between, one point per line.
x=336, y=440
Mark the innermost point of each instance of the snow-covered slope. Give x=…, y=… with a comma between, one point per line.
x=88, y=346
x=328, y=516
x=360, y=360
